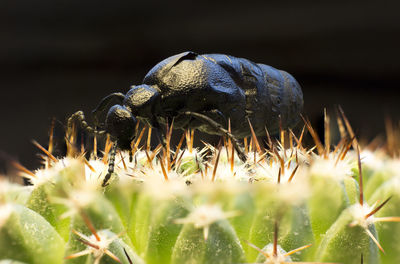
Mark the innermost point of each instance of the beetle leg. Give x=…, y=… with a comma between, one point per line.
x=160, y=134
x=111, y=164
x=80, y=117
x=219, y=128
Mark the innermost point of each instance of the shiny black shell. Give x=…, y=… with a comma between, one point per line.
x=222, y=87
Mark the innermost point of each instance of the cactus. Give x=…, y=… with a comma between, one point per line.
x=287, y=204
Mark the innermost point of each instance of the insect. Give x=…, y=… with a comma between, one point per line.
x=201, y=92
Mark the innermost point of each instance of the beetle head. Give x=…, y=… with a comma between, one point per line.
x=120, y=124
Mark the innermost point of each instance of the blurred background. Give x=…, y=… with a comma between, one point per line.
x=59, y=56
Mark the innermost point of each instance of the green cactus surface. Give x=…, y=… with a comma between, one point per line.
x=288, y=203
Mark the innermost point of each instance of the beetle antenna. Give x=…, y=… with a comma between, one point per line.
x=111, y=163
x=104, y=105
x=80, y=118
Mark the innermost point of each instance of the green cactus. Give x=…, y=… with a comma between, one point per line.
x=205, y=206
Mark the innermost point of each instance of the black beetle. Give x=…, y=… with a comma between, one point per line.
x=202, y=92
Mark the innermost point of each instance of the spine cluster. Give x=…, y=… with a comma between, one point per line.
x=179, y=204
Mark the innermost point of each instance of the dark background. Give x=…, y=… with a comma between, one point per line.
x=57, y=56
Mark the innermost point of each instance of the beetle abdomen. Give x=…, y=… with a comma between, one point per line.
x=272, y=95
x=284, y=97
